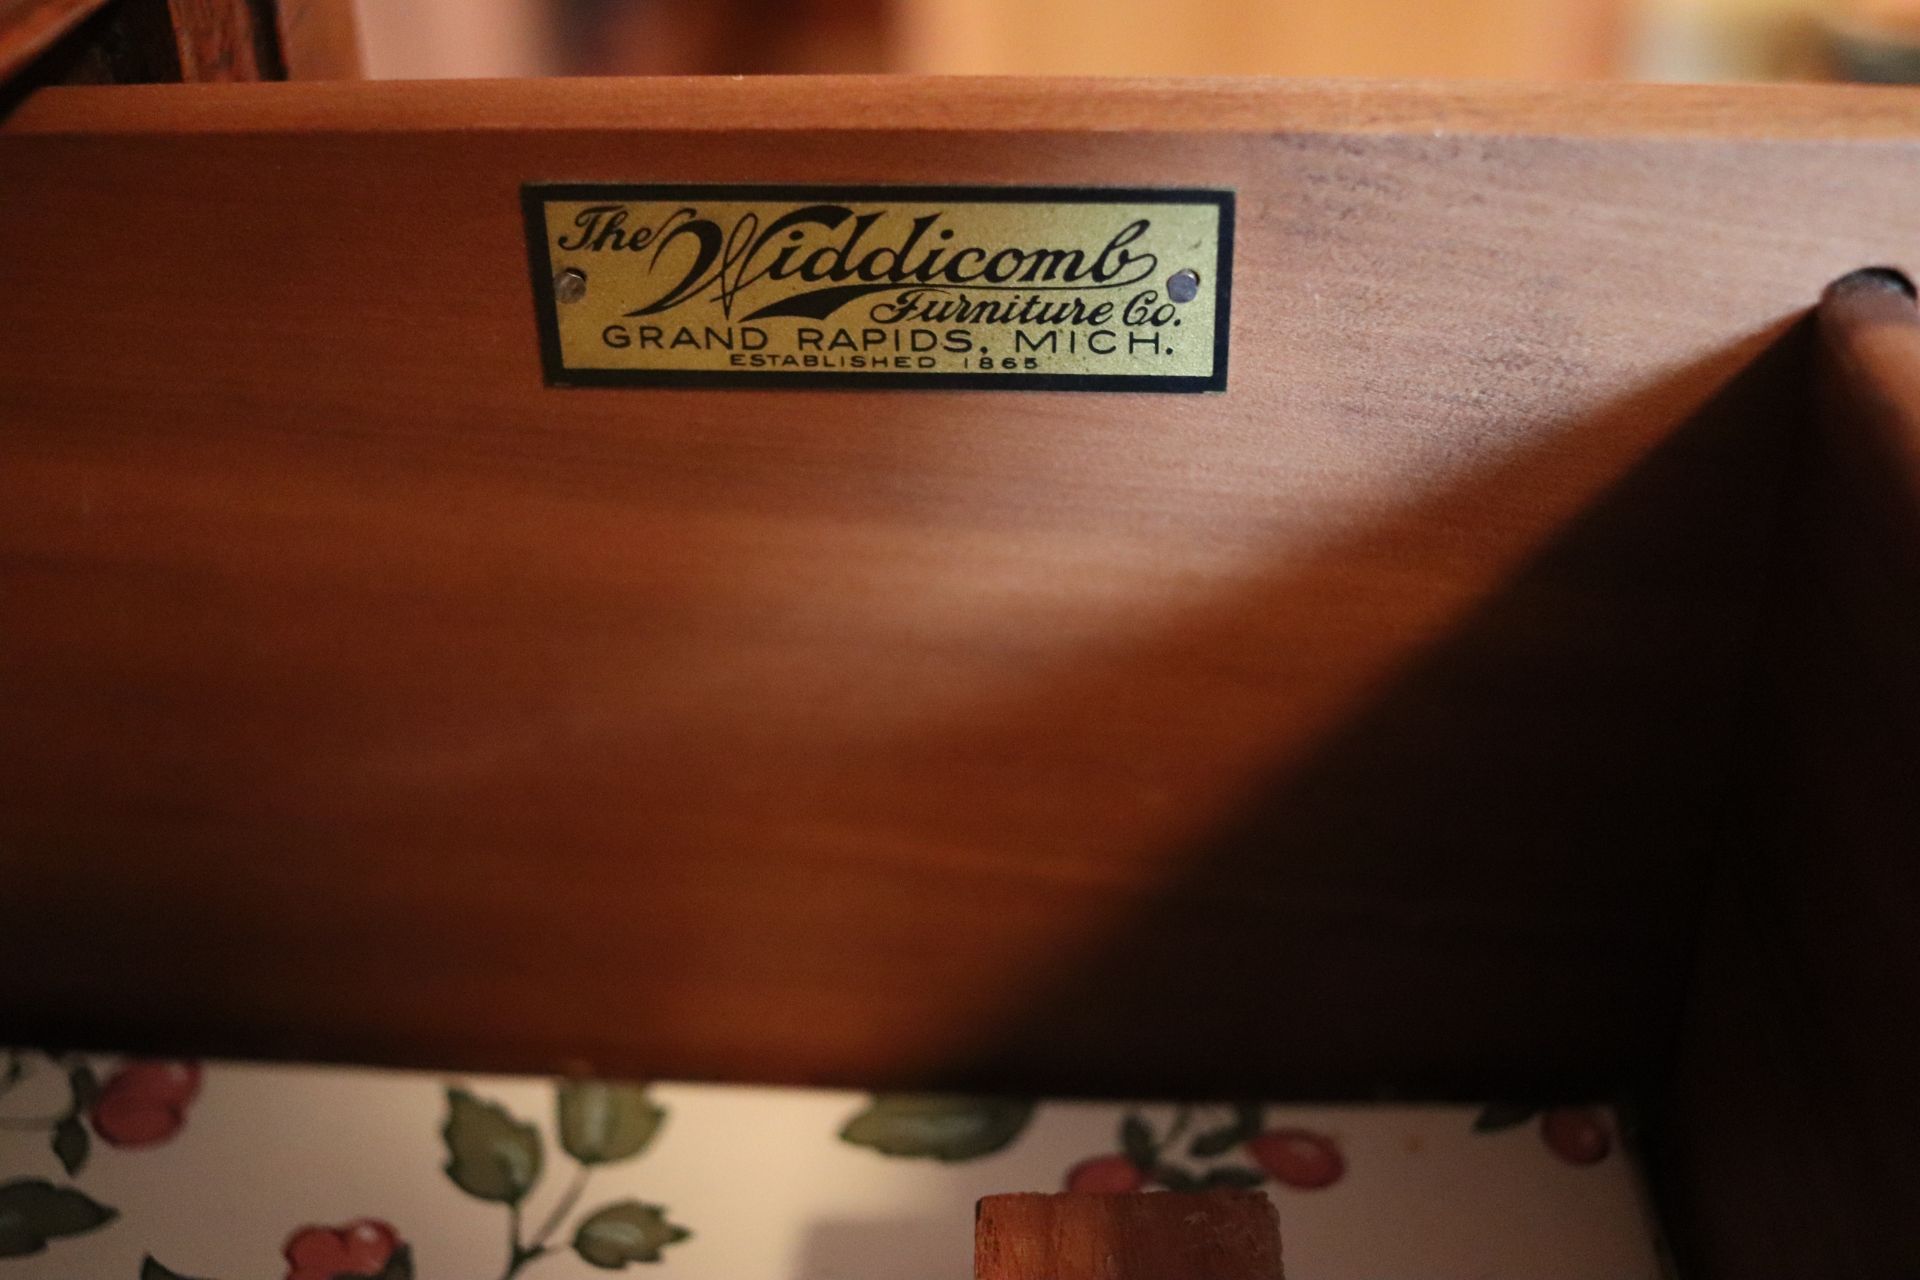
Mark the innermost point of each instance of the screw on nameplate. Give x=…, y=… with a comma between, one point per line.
x=1184, y=285
x=1211, y=1235
x=569, y=285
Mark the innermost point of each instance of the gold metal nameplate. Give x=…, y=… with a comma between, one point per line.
x=1052, y=289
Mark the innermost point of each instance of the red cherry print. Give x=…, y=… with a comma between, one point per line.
x=126, y=1120
x=1297, y=1158
x=144, y=1102
x=1106, y=1175
x=1577, y=1135
x=172, y=1083
x=360, y=1248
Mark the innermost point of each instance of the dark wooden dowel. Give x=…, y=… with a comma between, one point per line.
x=1869, y=332
x=1226, y=1235
x=1812, y=972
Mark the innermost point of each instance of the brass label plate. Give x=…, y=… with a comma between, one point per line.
x=1033, y=288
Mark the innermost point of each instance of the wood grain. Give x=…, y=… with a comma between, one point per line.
x=367, y=699
x=222, y=41
x=1218, y=1235
x=1015, y=106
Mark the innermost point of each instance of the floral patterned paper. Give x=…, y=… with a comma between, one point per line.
x=143, y=1169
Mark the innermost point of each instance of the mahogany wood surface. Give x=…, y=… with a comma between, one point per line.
x=1367, y=726
x=1641, y=116
x=1215, y=1235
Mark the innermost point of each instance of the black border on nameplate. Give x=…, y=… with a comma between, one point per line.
x=534, y=195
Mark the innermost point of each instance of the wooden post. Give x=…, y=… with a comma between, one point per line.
x=1803, y=1012
x=1218, y=1235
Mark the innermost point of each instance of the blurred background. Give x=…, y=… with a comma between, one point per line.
x=1702, y=40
